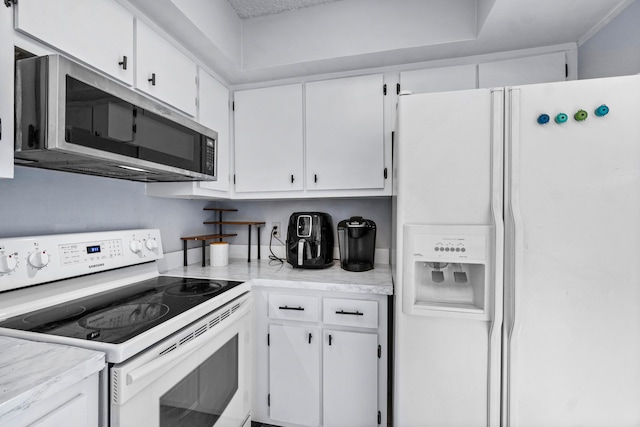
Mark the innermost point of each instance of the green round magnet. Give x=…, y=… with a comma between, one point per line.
x=581, y=115
x=561, y=118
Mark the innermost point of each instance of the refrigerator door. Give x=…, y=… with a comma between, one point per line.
x=448, y=320
x=572, y=221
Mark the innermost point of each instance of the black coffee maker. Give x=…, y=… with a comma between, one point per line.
x=357, y=242
x=310, y=240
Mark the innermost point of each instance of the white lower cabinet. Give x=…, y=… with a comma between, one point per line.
x=350, y=391
x=75, y=406
x=294, y=374
x=320, y=358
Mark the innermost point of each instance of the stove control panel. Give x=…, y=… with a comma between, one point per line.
x=26, y=261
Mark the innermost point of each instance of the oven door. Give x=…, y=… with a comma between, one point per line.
x=198, y=377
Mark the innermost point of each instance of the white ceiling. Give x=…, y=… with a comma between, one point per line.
x=254, y=8
x=284, y=39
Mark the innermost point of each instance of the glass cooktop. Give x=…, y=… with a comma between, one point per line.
x=118, y=315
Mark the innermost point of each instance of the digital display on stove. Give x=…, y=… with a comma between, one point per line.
x=93, y=249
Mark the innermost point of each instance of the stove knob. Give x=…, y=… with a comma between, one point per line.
x=8, y=263
x=38, y=259
x=151, y=244
x=135, y=246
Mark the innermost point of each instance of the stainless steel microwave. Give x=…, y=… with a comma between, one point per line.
x=70, y=118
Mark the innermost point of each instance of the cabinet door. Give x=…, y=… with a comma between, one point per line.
x=546, y=68
x=294, y=374
x=268, y=139
x=345, y=134
x=213, y=112
x=163, y=71
x=350, y=379
x=98, y=32
x=442, y=79
x=6, y=92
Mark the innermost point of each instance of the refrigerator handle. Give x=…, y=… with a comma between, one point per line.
x=497, y=207
x=514, y=248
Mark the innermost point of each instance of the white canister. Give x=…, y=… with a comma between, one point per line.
x=219, y=254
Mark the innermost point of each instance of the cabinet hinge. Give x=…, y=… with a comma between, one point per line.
x=8, y=3
x=379, y=417
x=268, y=335
x=379, y=351
x=385, y=173
x=384, y=89
x=397, y=88
x=269, y=400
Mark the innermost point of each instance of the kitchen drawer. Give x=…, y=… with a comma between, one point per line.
x=350, y=312
x=294, y=307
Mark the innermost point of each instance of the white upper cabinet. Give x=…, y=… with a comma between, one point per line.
x=6, y=93
x=163, y=71
x=97, y=32
x=546, y=68
x=345, y=134
x=213, y=112
x=268, y=139
x=441, y=79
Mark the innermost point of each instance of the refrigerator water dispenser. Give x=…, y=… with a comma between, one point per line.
x=447, y=270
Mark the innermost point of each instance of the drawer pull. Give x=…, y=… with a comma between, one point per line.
x=351, y=313
x=309, y=338
x=286, y=307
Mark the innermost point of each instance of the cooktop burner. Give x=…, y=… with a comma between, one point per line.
x=194, y=287
x=118, y=315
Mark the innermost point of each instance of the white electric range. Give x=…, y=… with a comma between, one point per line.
x=177, y=348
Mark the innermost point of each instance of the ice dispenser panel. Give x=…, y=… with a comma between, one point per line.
x=447, y=270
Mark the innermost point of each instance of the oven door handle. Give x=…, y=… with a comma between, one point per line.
x=154, y=366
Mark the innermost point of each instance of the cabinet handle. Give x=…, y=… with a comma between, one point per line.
x=292, y=179
x=152, y=79
x=286, y=307
x=351, y=313
x=315, y=178
x=309, y=337
x=330, y=338
x=123, y=63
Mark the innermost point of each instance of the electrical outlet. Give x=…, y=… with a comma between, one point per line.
x=275, y=229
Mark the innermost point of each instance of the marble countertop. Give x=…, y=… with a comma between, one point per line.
x=33, y=371
x=270, y=273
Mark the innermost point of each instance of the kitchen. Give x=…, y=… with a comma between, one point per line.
x=53, y=195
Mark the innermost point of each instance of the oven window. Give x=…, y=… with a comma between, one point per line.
x=201, y=397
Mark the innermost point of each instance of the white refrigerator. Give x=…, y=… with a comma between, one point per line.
x=517, y=256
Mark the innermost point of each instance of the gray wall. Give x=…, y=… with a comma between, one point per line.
x=48, y=202
x=615, y=49
x=375, y=209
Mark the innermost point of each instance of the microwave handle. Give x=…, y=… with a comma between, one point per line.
x=155, y=366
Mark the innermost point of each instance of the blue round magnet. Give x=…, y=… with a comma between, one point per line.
x=561, y=118
x=543, y=119
x=602, y=110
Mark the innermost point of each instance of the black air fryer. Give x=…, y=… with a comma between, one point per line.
x=310, y=240
x=357, y=242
